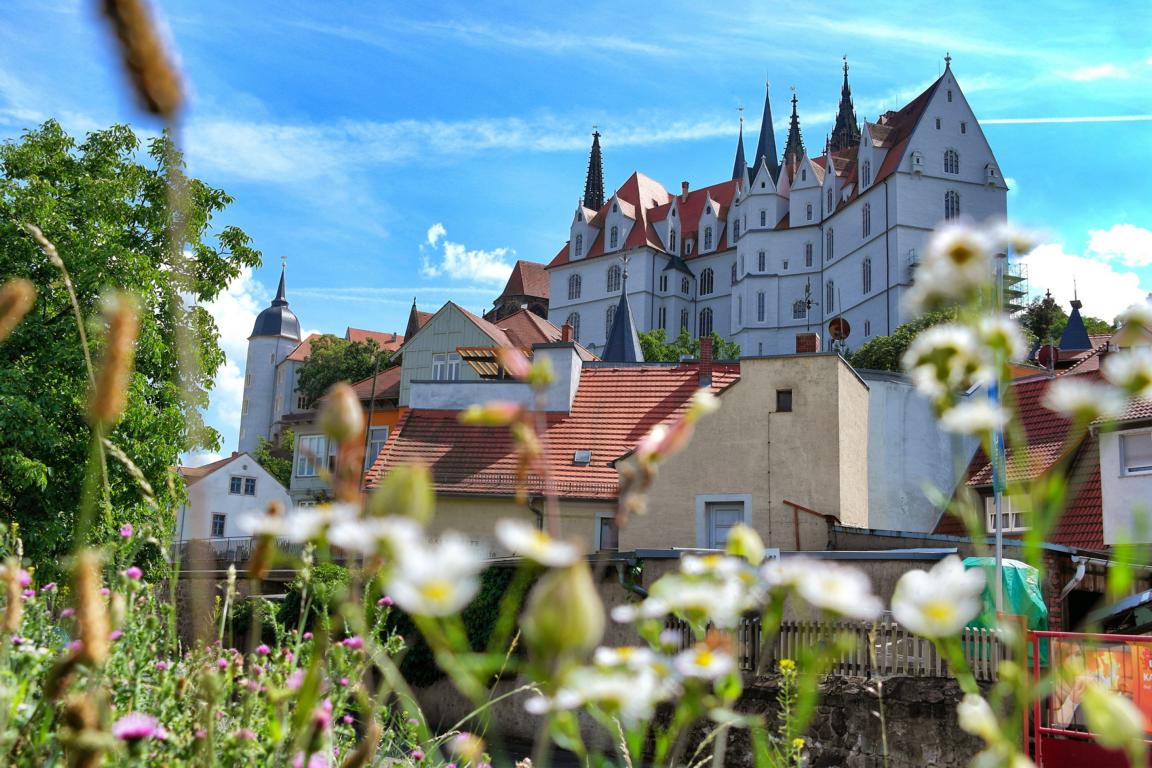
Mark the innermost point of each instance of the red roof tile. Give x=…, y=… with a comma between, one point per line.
x=388, y=341
x=303, y=349
x=613, y=409
x=387, y=385
x=528, y=278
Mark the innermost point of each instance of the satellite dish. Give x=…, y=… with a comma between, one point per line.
x=839, y=329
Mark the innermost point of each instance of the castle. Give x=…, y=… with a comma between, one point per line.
x=789, y=244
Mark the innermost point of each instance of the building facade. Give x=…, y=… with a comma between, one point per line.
x=789, y=243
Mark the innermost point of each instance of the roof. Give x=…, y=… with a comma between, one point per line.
x=303, y=349
x=483, y=460
x=388, y=341
x=528, y=278
x=387, y=385
x=277, y=319
x=900, y=125
x=192, y=474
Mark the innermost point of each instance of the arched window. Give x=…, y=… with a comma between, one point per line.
x=807, y=254
x=672, y=241
x=706, y=282
x=613, y=236
x=829, y=241
x=609, y=316
x=579, y=249
x=867, y=275
x=684, y=320
x=763, y=218
x=736, y=230
x=685, y=286
x=574, y=321
x=799, y=309
x=705, y=322
x=866, y=219
x=867, y=172
x=733, y=273
x=613, y=278
x=951, y=204
x=951, y=161
x=760, y=307
x=829, y=299
x=761, y=259
x=573, y=287
x=829, y=197
x=707, y=238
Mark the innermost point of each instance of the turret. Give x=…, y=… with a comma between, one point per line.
x=846, y=132
x=275, y=334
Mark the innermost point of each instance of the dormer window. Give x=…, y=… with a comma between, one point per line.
x=613, y=236
x=673, y=213
x=830, y=200
x=949, y=95
x=578, y=248
x=707, y=238
x=803, y=174
x=672, y=241
x=867, y=172
x=688, y=246
x=615, y=208
x=989, y=174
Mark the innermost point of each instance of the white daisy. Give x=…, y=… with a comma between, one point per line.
x=522, y=538
x=1131, y=370
x=301, y=524
x=436, y=579
x=940, y=602
x=974, y=417
x=977, y=718
x=946, y=358
x=838, y=589
x=370, y=536
x=704, y=662
x=1083, y=399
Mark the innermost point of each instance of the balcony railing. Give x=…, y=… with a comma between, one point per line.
x=234, y=549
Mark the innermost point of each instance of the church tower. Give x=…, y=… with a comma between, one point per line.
x=274, y=335
x=766, y=147
x=594, y=183
x=846, y=132
x=794, y=147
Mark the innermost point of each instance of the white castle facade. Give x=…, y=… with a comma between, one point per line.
x=787, y=244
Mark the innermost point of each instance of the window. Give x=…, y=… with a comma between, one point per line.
x=799, y=309
x=613, y=278
x=313, y=453
x=736, y=230
x=740, y=310
x=663, y=282
x=867, y=327
x=244, y=411
x=803, y=174
x=377, y=436
x=249, y=486
x=963, y=127
x=742, y=270
x=301, y=403
x=235, y=484
x=705, y=322
x=1013, y=514
x=760, y=307
x=829, y=299
x=867, y=172
x=579, y=247
x=722, y=517
x=866, y=219
x=809, y=211
x=574, y=321
x=707, y=238
x=785, y=264
x=951, y=204
x=949, y=95
x=446, y=366
x=609, y=318
x=829, y=197
x=706, y=282
x=608, y=534
x=248, y=379
x=685, y=285
x=866, y=277
x=218, y=523
x=951, y=161
x=807, y=254
x=672, y=241
x=662, y=318
x=732, y=279
x=763, y=218
x=684, y=320
x=783, y=401
x=573, y=287
x=829, y=241
x=938, y=123
x=613, y=236
x=1136, y=453
x=760, y=259
x=688, y=247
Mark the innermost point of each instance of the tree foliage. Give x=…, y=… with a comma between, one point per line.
x=276, y=457
x=883, y=353
x=335, y=359
x=1044, y=320
x=103, y=201
x=656, y=349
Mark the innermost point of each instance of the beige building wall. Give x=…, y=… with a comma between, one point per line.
x=747, y=454
x=475, y=517
x=444, y=332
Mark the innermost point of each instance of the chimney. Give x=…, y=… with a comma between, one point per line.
x=566, y=367
x=807, y=342
x=683, y=191
x=566, y=332
x=393, y=336
x=706, y=361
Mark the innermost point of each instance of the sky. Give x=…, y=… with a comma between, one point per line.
x=391, y=151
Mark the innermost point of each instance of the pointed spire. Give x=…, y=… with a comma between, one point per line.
x=281, y=299
x=1075, y=336
x=740, y=167
x=623, y=345
x=413, y=321
x=846, y=132
x=794, y=148
x=766, y=147
x=594, y=183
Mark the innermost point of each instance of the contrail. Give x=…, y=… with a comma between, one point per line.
x=1099, y=119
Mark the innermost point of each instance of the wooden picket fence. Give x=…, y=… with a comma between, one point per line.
x=881, y=649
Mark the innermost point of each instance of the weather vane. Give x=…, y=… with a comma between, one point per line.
x=283, y=262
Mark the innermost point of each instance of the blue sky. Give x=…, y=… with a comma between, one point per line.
x=347, y=131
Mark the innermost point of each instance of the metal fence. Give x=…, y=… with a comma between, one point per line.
x=233, y=549
x=881, y=649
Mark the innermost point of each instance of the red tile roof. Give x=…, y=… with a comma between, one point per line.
x=303, y=349
x=900, y=125
x=613, y=409
x=387, y=385
x=528, y=278
x=388, y=341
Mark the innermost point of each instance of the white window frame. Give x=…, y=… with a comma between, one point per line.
x=704, y=501
x=309, y=450
x=1125, y=469
x=375, y=445
x=223, y=518
x=446, y=366
x=1013, y=517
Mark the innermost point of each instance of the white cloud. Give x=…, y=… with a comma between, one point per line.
x=1126, y=243
x=200, y=458
x=444, y=257
x=1097, y=276
x=1097, y=72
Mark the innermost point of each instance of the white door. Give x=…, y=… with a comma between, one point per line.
x=721, y=519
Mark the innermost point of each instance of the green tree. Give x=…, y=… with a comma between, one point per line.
x=1044, y=319
x=883, y=353
x=657, y=350
x=276, y=458
x=335, y=359
x=104, y=203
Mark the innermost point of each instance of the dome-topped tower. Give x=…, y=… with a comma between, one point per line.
x=275, y=334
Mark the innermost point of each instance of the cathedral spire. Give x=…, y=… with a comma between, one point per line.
x=846, y=132
x=766, y=147
x=740, y=167
x=794, y=148
x=594, y=184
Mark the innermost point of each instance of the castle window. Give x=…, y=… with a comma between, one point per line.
x=866, y=219
x=785, y=264
x=579, y=248
x=609, y=318
x=663, y=282
x=707, y=238
x=760, y=307
x=829, y=299
x=685, y=286
x=949, y=95
x=829, y=240
x=218, y=523
x=951, y=204
x=803, y=174
x=807, y=254
x=951, y=161
x=739, y=310
x=809, y=211
x=867, y=172
x=866, y=269
x=613, y=278
x=662, y=318
x=705, y=322
x=763, y=218
x=574, y=321
x=799, y=309
x=733, y=273
x=684, y=320
x=867, y=327
x=706, y=282
x=736, y=230
x=613, y=236
x=963, y=127
x=573, y=287
x=830, y=201
x=761, y=258
x=938, y=123
x=672, y=241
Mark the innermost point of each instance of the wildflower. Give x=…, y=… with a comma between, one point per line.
x=136, y=726
x=307, y=636
x=345, y=682
x=957, y=265
x=1005, y=236
x=161, y=666
x=523, y=538
x=946, y=358
x=134, y=573
x=322, y=715
x=315, y=760
x=1084, y=400
x=468, y=747
x=628, y=694
x=787, y=665
x=743, y=541
x=246, y=734
x=126, y=531
x=263, y=650
x=372, y=536
x=1115, y=720
x=341, y=417
x=1131, y=370
x=704, y=662
x=222, y=663
x=938, y=603
x=514, y=362
x=977, y=416
x=1135, y=324
x=385, y=602
x=49, y=587
x=417, y=755
x=563, y=614
x=28, y=593
x=1002, y=335
x=115, y=635
x=355, y=642
x=347, y=719
x=436, y=579
x=302, y=524
x=23, y=577
x=839, y=589
x=798, y=743
x=977, y=718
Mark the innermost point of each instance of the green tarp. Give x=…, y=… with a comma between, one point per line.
x=1022, y=596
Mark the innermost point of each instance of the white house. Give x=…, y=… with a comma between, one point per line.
x=223, y=492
